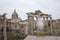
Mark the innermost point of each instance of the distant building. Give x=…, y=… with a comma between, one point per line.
x=16, y=23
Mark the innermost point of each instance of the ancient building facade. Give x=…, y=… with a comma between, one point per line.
x=32, y=22
x=27, y=26
x=17, y=24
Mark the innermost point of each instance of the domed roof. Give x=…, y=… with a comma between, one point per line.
x=14, y=14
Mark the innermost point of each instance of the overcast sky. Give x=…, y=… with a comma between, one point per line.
x=23, y=6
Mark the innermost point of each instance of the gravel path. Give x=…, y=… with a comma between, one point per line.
x=29, y=37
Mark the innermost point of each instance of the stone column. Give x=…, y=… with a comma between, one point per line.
x=32, y=25
x=47, y=23
x=4, y=28
x=51, y=25
x=44, y=20
x=44, y=23
x=28, y=24
x=26, y=29
x=37, y=27
x=30, y=21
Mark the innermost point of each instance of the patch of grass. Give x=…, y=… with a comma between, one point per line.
x=44, y=34
x=15, y=37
